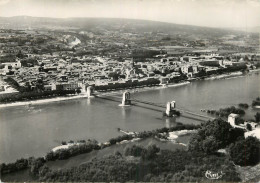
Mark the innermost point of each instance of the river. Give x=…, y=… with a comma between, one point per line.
x=34, y=130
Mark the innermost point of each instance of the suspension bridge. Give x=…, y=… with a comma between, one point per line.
x=168, y=108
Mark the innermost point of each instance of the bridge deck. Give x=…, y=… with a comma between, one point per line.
x=156, y=105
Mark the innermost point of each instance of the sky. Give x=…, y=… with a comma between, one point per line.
x=211, y=13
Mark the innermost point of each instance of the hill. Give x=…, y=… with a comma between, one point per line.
x=112, y=24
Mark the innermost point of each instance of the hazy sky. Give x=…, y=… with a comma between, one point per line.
x=213, y=13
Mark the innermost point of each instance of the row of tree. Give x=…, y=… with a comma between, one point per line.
x=26, y=96
x=73, y=150
x=33, y=163
x=243, y=105
x=219, y=71
x=154, y=133
x=134, y=84
x=226, y=111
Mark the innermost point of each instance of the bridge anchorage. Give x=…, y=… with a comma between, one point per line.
x=126, y=101
x=90, y=91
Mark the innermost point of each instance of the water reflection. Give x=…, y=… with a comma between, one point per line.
x=170, y=122
x=125, y=111
x=89, y=101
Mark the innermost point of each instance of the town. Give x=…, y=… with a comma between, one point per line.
x=46, y=60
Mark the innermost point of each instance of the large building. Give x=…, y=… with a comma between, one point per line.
x=64, y=86
x=232, y=119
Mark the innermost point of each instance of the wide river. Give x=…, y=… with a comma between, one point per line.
x=34, y=130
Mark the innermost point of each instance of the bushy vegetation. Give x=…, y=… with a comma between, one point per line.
x=72, y=151
x=154, y=133
x=20, y=164
x=256, y=102
x=141, y=54
x=226, y=111
x=222, y=71
x=213, y=136
x=7, y=58
x=33, y=163
x=245, y=152
x=257, y=117
x=210, y=63
x=243, y=105
x=14, y=84
x=146, y=154
x=25, y=96
x=178, y=79
x=29, y=62
x=239, y=121
x=170, y=166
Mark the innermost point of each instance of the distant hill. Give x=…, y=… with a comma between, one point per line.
x=112, y=24
x=248, y=29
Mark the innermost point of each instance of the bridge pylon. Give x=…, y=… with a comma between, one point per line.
x=170, y=108
x=126, y=99
x=90, y=91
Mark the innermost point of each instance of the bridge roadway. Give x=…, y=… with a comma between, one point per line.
x=155, y=105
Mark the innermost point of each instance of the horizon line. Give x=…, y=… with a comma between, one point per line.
x=129, y=19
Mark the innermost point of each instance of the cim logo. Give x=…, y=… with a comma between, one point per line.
x=211, y=175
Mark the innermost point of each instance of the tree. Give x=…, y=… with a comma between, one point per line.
x=239, y=121
x=210, y=144
x=35, y=165
x=248, y=127
x=212, y=136
x=245, y=152
x=243, y=105
x=114, y=75
x=78, y=90
x=151, y=152
x=257, y=117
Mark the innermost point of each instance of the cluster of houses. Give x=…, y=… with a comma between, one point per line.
x=50, y=61
x=55, y=71
x=252, y=128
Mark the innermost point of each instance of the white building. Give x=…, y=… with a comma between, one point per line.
x=225, y=63
x=232, y=119
x=15, y=65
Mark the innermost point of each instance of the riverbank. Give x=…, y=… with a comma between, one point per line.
x=118, y=92
x=144, y=89
x=111, y=150
x=25, y=175
x=73, y=149
x=42, y=101
x=225, y=76
x=84, y=95
x=232, y=75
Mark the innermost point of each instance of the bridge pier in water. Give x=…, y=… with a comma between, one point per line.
x=90, y=91
x=170, y=109
x=126, y=99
